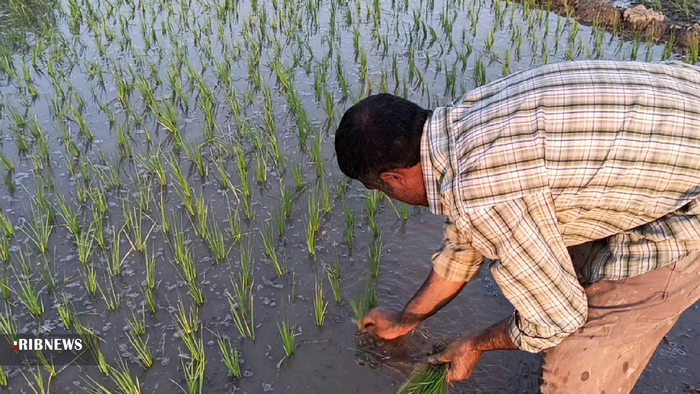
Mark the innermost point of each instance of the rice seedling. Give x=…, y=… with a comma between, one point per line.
x=99, y=227
x=316, y=154
x=9, y=165
x=83, y=127
x=10, y=184
x=116, y=261
x=297, y=171
x=29, y=296
x=4, y=249
x=154, y=165
x=143, y=193
x=194, y=344
x=90, y=279
x=6, y=225
x=246, y=264
x=38, y=229
x=137, y=322
x=40, y=198
x=65, y=312
x=46, y=272
x=270, y=244
x=87, y=334
x=320, y=306
x=150, y=301
x=334, y=275
x=245, y=185
x=372, y=202
x=100, y=360
x=21, y=142
x=81, y=192
x=196, y=293
x=194, y=375
x=185, y=259
x=371, y=291
x=48, y=365
x=242, y=309
x=123, y=141
x=3, y=377
x=24, y=263
x=85, y=243
x=359, y=308
x=260, y=167
x=69, y=215
x=234, y=225
x=349, y=222
x=314, y=213
x=288, y=333
x=134, y=224
x=375, y=255
x=311, y=238
x=231, y=357
x=692, y=53
x=4, y=283
x=38, y=386
x=278, y=219
x=111, y=298
x=186, y=322
x=8, y=326
x=195, y=155
x=183, y=190
x=426, y=379
x=325, y=197
x=121, y=377
x=202, y=209
x=143, y=355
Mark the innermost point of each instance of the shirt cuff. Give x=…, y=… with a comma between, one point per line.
x=533, y=343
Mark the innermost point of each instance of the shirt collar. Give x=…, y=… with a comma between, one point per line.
x=435, y=144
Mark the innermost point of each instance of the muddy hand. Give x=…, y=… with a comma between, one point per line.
x=462, y=357
x=385, y=323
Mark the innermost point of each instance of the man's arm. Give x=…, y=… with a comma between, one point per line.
x=435, y=293
x=454, y=265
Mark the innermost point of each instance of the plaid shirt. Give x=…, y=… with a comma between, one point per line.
x=556, y=156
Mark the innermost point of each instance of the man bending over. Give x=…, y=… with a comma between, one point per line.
x=528, y=165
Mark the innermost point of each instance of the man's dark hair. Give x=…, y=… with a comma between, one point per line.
x=380, y=133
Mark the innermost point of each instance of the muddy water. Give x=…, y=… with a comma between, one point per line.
x=332, y=359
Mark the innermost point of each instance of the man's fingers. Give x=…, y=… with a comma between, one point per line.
x=439, y=358
x=371, y=329
x=369, y=321
x=453, y=376
x=458, y=372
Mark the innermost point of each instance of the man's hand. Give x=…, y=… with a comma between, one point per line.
x=386, y=323
x=462, y=355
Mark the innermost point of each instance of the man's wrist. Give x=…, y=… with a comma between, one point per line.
x=496, y=337
x=409, y=320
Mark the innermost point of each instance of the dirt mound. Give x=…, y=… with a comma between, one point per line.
x=638, y=19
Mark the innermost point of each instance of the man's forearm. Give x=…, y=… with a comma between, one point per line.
x=435, y=293
x=496, y=337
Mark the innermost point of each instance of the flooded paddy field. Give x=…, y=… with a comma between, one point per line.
x=169, y=185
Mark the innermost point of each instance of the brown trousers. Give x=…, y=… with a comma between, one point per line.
x=627, y=319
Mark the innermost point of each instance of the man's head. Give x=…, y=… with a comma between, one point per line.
x=378, y=144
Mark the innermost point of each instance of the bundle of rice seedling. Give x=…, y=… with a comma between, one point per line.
x=426, y=379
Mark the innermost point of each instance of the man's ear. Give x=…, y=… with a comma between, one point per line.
x=393, y=178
